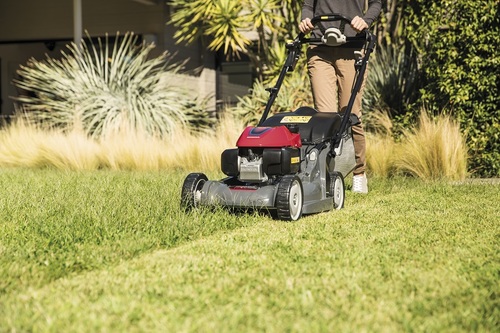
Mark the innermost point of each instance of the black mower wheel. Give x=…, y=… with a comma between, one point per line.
x=337, y=189
x=290, y=198
x=191, y=190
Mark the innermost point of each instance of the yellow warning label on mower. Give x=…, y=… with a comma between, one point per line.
x=295, y=160
x=295, y=119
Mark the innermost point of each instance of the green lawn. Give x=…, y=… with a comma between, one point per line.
x=111, y=252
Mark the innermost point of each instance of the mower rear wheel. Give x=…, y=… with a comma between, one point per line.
x=191, y=190
x=337, y=189
x=290, y=198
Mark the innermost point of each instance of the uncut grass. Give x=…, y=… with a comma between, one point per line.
x=407, y=257
x=435, y=149
x=27, y=146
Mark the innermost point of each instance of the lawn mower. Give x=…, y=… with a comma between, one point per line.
x=291, y=163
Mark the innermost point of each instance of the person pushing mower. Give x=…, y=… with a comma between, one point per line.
x=331, y=69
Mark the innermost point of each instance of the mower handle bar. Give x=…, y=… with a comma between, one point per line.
x=293, y=55
x=331, y=18
x=325, y=18
x=294, y=46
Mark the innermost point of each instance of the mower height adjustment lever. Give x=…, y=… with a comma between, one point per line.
x=358, y=56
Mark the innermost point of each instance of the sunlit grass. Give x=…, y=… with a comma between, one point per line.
x=71, y=151
x=380, y=145
x=25, y=145
x=111, y=251
x=435, y=149
x=20, y=145
x=380, y=154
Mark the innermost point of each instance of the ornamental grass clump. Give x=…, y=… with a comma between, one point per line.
x=435, y=149
x=102, y=88
x=380, y=145
x=26, y=145
x=20, y=145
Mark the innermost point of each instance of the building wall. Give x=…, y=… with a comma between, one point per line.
x=32, y=20
x=11, y=57
x=38, y=20
x=27, y=25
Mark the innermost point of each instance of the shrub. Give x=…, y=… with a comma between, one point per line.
x=294, y=92
x=224, y=25
x=99, y=89
x=391, y=83
x=457, y=42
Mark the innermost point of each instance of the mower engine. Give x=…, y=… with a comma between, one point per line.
x=263, y=152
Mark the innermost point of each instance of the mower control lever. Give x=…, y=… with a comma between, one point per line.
x=358, y=55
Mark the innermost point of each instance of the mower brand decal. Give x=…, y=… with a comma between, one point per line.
x=295, y=160
x=295, y=119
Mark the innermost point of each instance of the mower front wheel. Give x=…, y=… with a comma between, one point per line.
x=290, y=198
x=191, y=190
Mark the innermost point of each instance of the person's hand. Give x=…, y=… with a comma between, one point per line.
x=306, y=26
x=358, y=24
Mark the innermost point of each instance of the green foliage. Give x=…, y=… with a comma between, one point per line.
x=227, y=26
x=102, y=88
x=457, y=42
x=392, y=81
x=294, y=92
x=196, y=112
x=112, y=252
x=390, y=26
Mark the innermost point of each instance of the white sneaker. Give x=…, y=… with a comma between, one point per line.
x=360, y=184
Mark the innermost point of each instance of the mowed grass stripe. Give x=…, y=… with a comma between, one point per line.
x=407, y=257
x=54, y=224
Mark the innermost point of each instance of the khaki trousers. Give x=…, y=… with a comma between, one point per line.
x=331, y=71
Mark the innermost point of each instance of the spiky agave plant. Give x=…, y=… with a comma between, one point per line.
x=392, y=81
x=102, y=88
